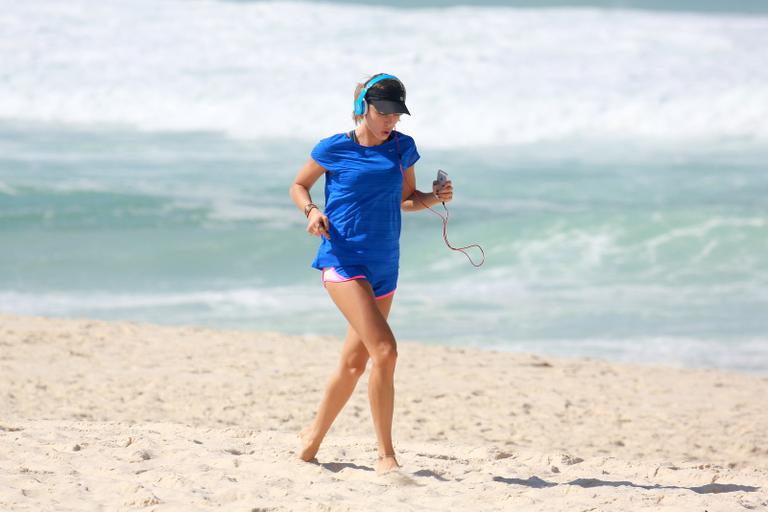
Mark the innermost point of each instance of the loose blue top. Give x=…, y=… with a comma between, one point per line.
x=363, y=191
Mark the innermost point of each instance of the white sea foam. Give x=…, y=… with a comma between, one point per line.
x=7, y=189
x=702, y=230
x=475, y=75
x=246, y=300
x=749, y=354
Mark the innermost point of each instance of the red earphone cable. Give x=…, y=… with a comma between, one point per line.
x=443, y=218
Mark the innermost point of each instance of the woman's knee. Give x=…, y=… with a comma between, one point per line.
x=354, y=357
x=354, y=366
x=385, y=355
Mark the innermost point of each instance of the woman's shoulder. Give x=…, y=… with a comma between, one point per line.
x=334, y=139
x=330, y=149
x=329, y=145
x=404, y=138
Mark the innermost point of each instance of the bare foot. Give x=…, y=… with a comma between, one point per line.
x=386, y=463
x=309, y=446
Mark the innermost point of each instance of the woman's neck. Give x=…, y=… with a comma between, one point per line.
x=366, y=138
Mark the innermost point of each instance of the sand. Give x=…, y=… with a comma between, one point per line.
x=125, y=416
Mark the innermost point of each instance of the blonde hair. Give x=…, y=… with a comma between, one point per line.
x=359, y=87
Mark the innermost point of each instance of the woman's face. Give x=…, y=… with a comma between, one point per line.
x=380, y=125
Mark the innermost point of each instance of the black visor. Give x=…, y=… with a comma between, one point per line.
x=388, y=96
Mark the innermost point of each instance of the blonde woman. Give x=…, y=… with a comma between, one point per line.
x=369, y=178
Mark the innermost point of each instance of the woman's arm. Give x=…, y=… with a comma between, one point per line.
x=299, y=192
x=414, y=200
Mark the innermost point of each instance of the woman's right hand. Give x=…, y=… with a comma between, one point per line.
x=318, y=224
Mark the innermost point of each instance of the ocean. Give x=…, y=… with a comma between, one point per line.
x=610, y=159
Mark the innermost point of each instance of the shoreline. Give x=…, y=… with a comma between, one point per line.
x=513, y=428
x=521, y=350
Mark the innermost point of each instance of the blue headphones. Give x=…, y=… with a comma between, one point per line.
x=361, y=106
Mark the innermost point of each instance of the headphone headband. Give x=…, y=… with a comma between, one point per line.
x=360, y=101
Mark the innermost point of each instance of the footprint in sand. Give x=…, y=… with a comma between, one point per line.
x=397, y=477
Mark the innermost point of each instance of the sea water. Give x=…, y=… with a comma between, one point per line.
x=611, y=162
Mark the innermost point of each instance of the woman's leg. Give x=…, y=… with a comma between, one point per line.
x=356, y=301
x=354, y=357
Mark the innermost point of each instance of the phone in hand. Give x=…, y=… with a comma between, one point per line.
x=442, y=178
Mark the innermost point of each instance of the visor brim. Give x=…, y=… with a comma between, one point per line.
x=389, y=106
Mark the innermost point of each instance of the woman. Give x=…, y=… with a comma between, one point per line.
x=369, y=178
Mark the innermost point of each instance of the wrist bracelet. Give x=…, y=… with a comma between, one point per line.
x=309, y=208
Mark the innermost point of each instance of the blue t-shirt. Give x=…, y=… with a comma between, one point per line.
x=363, y=191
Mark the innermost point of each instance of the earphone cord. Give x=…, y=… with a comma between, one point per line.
x=443, y=218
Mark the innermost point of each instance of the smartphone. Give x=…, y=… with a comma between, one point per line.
x=442, y=178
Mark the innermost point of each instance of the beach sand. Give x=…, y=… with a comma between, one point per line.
x=121, y=416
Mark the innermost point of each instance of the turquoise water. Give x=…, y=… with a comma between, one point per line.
x=616, y=178
x=630, y=259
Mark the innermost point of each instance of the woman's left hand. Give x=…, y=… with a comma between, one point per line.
x=444, y=194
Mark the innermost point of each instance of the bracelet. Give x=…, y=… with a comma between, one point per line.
x=309, y=208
